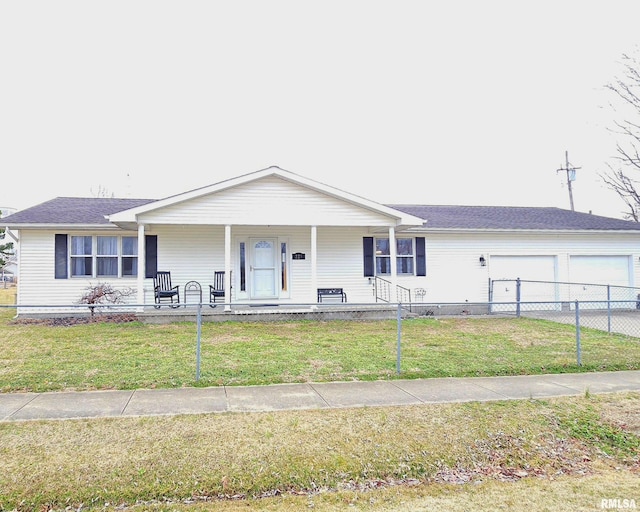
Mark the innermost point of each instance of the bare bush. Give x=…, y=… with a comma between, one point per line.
x=103, y=293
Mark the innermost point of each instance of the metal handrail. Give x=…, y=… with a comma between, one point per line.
x=382, y=290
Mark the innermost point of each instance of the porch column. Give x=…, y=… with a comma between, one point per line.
x=227, y=267
x=394, y=261
x=314, y=264
x=141, y=266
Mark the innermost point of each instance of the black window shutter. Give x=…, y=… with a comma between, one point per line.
x=151, y=255
x=368, y=256
x=61, y=253
x=421, y=257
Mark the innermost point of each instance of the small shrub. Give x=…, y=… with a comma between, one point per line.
x=103, y=293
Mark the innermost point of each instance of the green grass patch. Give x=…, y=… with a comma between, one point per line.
x=136, y=355
x=587, y=424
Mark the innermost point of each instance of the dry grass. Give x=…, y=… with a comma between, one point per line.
x=625, y=413
x=7, y=295
x=396, y=458
x=533, y=495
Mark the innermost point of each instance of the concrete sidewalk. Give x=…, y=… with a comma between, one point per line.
x=153, y=402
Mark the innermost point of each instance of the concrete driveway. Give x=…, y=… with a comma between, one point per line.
x=620, y=321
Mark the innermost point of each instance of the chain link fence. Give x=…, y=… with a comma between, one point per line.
x=241, y=344
x=525, y=294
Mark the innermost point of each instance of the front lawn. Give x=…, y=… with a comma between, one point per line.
x=133, y=355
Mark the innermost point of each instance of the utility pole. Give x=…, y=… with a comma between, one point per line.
x=571, y=176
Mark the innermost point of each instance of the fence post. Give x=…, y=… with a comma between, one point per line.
x=609, y=309
x=490, y=290
x=578, y=348
x=518, y=284
x=199, y=337
x=399, y=345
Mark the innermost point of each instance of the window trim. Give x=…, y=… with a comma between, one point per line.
x=111, y=257
x=95, y=257
x=369, y=263
x=411, y=256
x=134, y=257
x=82, y=256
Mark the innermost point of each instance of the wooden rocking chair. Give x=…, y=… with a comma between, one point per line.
x=216, y=290
x=163, y=291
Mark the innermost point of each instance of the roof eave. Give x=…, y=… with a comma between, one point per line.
x=67, y=226
x=426, y=228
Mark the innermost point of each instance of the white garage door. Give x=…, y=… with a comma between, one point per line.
x=612, y=270
x=600, y=270
x=532, y=268
x=504, y=270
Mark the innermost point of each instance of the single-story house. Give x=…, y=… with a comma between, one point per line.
x=279, y=237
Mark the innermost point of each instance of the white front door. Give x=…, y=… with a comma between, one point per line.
x=263, y=268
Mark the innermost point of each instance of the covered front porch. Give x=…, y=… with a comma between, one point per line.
x=278, y=238
x=276, y=265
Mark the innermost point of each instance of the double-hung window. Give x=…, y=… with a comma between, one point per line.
x=404, y=256
x=82, y=256
x=107, y=256
x=103, y=256
x=411, y=256
x=129, y=256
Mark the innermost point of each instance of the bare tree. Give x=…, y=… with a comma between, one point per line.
x=6, y=249
x=103, y=293
x=620, y=178
x=102, y=192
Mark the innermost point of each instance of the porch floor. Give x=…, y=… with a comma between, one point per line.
x=269, y=312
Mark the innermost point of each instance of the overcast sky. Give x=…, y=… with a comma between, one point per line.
x=455, y=102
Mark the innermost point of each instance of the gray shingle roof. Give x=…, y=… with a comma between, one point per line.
x=91, y=211
x=512, y=217
x=73, y=210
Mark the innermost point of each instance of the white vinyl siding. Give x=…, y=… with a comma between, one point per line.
x=37, y=283
x=196, y=252
x=269, y=201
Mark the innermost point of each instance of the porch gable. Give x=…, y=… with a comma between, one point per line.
x=269, y=197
